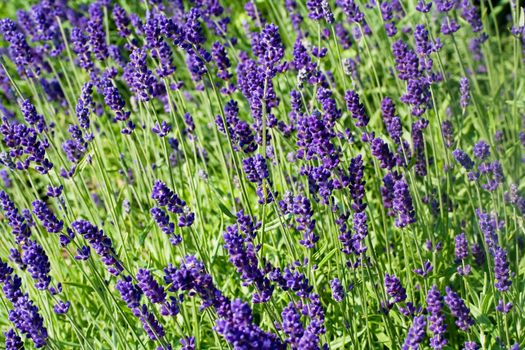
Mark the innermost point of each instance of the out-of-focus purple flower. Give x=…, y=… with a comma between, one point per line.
x=80, y=46
x=161, y=129
x=402, y=204
x=188, y=343
x=470, y=13
x=25, y=314
x=488, y=226
x=501, y=270
x=19, y=226
x=436, y=318
x=504, y=308
x=470, y=345
x=461, y=246
x=464, y=90
x=449, y=26
x=292, y=326
x=463, y=159
x=382, y=152
x=423, y=7
x=425, y=269
x=444, y=5
x=96, y=33
x=164, y=196
x=357, y=183
x=338, y=292
x=459, y=310
x=301, y=207
x=85, y=105
x=478, y=253
x=221, y=59
x=351, y=10
x=193, y=32
x=481, y=150
x=447, y=130
x=255, y=168
x=21, y=53
x=237, y=327
x=242, y=251
x=61, y=307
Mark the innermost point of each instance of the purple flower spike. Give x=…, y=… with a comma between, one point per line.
x=46, y=217
x=338, y=292
x=436, y=318
x=394, y=288
x=501, y=270
x=150, y=287
x=459, y=310
x=402, y=204
x=356, y=108
x=416, y=334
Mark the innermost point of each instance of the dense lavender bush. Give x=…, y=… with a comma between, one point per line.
x=219, y=174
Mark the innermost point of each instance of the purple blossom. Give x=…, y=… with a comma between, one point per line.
x=255, y=168
x=459, y=310
x=13, y=341
x=416, y=334
x=242, y=251
x=394, y=288
x=96, y=33
x=463, y=159
x=436, y=318
x=501, y=270
x=150, y=287
x=139, y=77
x=481, y=150
x=85, y=105
x=32, y=117
x=61, y=307
x=101, y=243
x=37, y=262
x=46, y=217
x=461, y=244
x=292, y=326
x=351, y=10
x=464, y=89
x=402, y=204
x=122, y=21
x=504, y=308
x=338, y=292
x=449, y=26
x=356, y=108
x=18, y=223
x=391, y=120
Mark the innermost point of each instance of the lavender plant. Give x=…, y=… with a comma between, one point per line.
x=216, y=174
